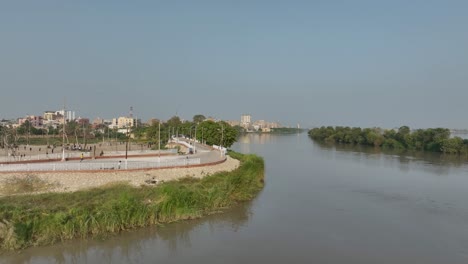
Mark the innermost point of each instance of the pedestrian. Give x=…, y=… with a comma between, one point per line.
x=81, y=157
x=118, y=165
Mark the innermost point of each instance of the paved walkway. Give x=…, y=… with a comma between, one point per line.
x=204, y=155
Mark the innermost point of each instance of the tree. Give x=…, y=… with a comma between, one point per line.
x=229, y=134
x=198, y=118
x=217, y=133
x=452, y=145
x=174, y=121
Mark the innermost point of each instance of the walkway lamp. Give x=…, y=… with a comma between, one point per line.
x=159, y=141
x=195, y=140
x=126, y=146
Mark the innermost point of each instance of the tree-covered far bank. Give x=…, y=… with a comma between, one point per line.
x=431, y=139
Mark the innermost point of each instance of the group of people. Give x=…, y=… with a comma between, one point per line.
x=79, y=147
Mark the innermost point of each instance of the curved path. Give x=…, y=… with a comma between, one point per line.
x=65, y=181
x=204, y=155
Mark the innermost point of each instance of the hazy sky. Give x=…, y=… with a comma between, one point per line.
x=356, y=63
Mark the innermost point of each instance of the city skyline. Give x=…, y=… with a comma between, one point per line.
x=360, y=63
x=115, y=121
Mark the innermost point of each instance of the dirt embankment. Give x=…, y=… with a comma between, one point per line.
x=73, y=181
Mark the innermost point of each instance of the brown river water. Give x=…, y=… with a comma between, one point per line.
x=320, y=204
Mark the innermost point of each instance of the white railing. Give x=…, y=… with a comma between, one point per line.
x=83, y=166
x=137, y=152
x=223, y=150
x=182, y=142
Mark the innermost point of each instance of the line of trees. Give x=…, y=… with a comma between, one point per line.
x=210, y=132
x=431, y=139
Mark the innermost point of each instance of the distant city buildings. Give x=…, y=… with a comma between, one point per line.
x=259, y=125
x=233, y=122
x=98, y=121
x=6, y=122
x=35, y=121
x=82, y=121
x=123, y=124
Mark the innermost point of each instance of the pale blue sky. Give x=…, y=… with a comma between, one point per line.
x=357, y=63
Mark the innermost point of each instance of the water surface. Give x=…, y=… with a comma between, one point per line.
x=320, y=204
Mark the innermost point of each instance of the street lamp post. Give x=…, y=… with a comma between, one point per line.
x=195, y=141
x=159, y=141
x=29, y=129
x=63, y=135
x=222, y=137
x=126, y=147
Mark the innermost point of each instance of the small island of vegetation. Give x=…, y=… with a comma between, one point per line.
x=431, y=139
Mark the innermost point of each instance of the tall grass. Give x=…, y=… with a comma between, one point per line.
x=29, y=220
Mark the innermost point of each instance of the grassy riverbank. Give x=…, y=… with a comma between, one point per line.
x=30, y=220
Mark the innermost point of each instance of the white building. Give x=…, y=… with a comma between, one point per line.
x=245, y=120
x=123, y=122
x=69, y=115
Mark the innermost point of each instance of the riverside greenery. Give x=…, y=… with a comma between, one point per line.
x=31, y=220
x=208, y=131
x=431, y=139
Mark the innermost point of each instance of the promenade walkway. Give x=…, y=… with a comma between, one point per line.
x=136, y=160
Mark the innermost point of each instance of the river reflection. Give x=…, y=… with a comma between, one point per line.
x=436, y=163
x=320, y=204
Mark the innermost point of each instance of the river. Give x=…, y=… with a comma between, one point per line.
x=320, y=204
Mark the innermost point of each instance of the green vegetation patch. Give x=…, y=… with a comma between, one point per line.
x=30, y=220
x=431, y=139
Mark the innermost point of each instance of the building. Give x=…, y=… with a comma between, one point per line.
x=233, y=122
x=82, y=121
x=123, y=122
x=98, y=121
x=49, y=115
x=52, y=123
x=69, y=115
x=245, y=121
x=6, y=122
x=35, y=121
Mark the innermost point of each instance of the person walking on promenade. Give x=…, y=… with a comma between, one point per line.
x=81, y=157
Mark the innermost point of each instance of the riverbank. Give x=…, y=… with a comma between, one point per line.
x=13, y=183
x=41, y=219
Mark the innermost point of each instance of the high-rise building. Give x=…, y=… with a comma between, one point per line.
x=245, y=120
